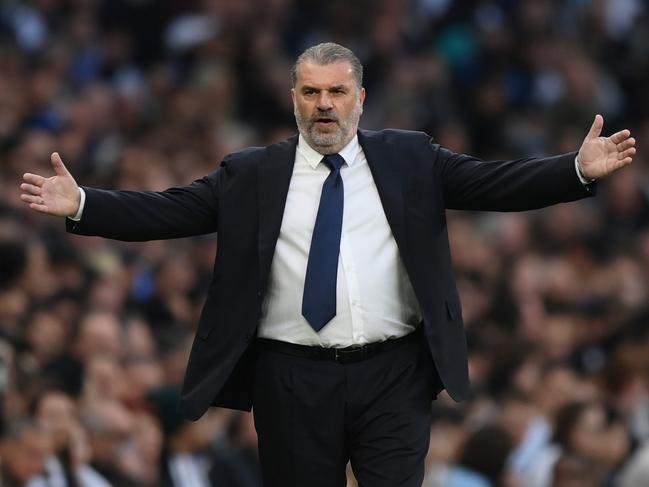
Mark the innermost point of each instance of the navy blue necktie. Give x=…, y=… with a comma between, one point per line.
x=319, y=299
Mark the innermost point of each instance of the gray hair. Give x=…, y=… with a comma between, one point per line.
x=329, y=53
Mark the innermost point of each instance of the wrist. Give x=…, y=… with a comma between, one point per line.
x=580, y=172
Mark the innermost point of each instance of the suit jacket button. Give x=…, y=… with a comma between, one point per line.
x=248, y=337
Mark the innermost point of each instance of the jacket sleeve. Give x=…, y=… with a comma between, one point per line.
x=523, y=184
x=148, y=215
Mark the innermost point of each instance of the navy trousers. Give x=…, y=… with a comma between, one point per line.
x=313, y=416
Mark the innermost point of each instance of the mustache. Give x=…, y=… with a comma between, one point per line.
x=327, y=114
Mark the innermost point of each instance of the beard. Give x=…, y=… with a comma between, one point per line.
x=333, y=137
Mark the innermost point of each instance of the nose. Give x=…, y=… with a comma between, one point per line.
x=324, y=101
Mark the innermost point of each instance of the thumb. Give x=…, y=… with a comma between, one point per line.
x=596, y=128
x=58, y=166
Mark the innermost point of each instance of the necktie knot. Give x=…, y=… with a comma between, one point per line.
x=333, y=161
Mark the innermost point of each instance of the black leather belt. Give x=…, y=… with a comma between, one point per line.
x=346, y=355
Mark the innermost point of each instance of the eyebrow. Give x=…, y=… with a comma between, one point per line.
x=332, y=88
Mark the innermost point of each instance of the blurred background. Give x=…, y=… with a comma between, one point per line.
x=145, y=94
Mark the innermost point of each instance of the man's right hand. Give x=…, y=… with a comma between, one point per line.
x=58, y=195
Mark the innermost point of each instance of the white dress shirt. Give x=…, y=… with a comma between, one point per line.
x=374, y=297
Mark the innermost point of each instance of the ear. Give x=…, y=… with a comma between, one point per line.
x=293, y=96
x=362, y=97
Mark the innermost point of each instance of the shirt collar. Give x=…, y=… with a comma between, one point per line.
x=313, y=157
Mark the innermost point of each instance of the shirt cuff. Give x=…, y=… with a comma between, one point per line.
x=581, y=177
x=82, y=203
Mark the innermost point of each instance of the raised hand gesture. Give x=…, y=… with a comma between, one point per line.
x=57, y=195
x=600, y=156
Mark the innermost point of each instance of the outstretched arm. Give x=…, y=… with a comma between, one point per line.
x=531, y=183
x=127, y=215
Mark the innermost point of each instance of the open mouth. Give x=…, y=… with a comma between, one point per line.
x=324, y=121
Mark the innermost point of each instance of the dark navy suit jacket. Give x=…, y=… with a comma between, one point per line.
x=243, y=201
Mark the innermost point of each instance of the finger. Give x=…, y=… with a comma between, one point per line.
x=30, y=198
x=619, y=164
x=625, y=144
x=33, y=179
x=39, y=208
x=630, y=152
x=57, y=164
x=620, y=136
x=31, y=188
x=624, y=162
x=596, y=128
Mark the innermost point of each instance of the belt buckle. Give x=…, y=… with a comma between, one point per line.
x=345, y=356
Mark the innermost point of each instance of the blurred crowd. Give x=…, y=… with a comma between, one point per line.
x=148, y=94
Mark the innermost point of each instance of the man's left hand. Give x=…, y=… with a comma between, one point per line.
x=600, y=156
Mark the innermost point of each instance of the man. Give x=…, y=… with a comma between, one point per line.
x=339, y=266
x=24, y=448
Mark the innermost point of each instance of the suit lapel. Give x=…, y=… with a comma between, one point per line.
x=389, y=175
x=274, y=177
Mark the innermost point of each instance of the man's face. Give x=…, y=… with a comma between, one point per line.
x=25, y=456
x=328, y=104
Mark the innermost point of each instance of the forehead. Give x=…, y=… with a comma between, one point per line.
x=324, y=75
